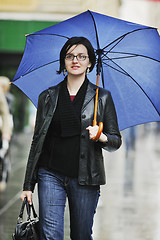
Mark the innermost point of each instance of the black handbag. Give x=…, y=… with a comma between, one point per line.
x=29, y=229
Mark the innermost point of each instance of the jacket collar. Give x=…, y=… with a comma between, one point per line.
x=54, y=92
x=91, y=91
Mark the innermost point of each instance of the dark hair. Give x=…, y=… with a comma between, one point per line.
x=76, y=41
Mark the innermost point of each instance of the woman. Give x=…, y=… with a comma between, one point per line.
x=64, y=159
x=6, y=127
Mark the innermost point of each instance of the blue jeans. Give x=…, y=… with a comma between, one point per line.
x=53, y=188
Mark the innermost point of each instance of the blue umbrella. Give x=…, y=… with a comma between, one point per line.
x=128, y=62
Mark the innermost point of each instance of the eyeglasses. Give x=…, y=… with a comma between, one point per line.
x=80, y=57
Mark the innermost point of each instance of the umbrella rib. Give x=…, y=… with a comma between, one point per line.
x=123, y=36
x=123, y=71
x=120, y=39
x=102, y=77
x=35, y=69
x=114, y=58
x=131, y=55
x=127, y=74
x=98, y=46
x=135, y=55
x=58, y=35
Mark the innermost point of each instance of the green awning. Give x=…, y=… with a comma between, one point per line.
x=12, y=33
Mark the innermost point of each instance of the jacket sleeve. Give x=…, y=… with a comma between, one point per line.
x=110, y=128
x=29, y=182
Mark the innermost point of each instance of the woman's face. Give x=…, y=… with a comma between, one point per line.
x=77, y=65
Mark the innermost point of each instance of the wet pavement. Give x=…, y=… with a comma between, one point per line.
x=129, y=206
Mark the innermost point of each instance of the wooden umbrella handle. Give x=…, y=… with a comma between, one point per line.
x=95, y=114
x=99, y=132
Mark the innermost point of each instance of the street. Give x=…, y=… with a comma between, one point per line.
x=129, y=206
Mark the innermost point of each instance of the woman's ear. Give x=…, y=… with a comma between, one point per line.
x=89, y=65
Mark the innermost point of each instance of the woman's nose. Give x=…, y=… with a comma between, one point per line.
x=75, y=59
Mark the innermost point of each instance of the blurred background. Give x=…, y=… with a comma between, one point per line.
x=124, y=220
x=18, y=18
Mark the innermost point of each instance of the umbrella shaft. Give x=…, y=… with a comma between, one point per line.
x=96, y=103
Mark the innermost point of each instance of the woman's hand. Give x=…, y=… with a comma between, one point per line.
x=93, y=132
x=27, y=194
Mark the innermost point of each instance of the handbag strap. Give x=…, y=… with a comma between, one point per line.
x=22, y=208
x=29, y=210
x=28, y=207
x=33, y=210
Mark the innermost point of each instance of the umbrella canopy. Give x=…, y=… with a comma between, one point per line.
x=129, y=63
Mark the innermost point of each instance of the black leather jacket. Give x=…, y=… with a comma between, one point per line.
x=91, y=166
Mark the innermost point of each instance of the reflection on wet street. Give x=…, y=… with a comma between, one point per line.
x=129, y=206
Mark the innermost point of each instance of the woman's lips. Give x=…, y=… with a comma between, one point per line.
x=75, y=67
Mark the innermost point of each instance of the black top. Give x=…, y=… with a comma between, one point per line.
x=61, y=146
